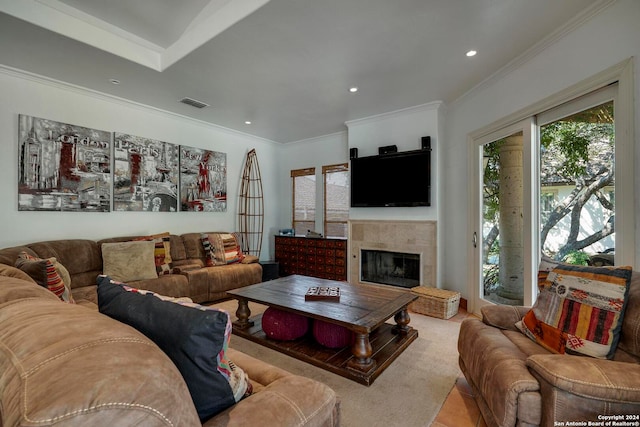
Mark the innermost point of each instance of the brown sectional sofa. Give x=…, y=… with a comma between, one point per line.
x=516, y=382
x=191, y=277
x=69, y=365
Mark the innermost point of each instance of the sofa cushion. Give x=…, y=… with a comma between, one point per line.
x=579, y=310
x=129, y=261
x=238, y=379
x=66, y=365
x=10, y=271
x=161, y=253
x=13, y=288
x=81, y=257
x=48, y=273
x=630, y=336
x=496, y=365
x=192, y=338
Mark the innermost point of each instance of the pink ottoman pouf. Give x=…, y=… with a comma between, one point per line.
x=330, y=335
x=282, y=325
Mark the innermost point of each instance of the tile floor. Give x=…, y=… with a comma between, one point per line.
x=460, y=409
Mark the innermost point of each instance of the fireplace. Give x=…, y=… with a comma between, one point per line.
x=390, y=268
x=412, y=247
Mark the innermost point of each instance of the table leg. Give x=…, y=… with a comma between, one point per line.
x=243, y=313
x=362, y=352
x=402, y=319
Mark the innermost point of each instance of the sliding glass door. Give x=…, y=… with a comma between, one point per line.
x=504, y=213
x=577, y=180
x=545, y=186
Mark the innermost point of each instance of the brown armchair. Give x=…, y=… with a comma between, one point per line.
x=516, y=382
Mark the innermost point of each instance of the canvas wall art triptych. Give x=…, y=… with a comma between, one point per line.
x=65, y=167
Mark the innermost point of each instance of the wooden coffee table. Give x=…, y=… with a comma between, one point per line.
x=362, y=309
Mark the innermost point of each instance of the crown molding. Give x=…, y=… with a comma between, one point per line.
x=57, y=84
x=61, y=18
x=430, y=106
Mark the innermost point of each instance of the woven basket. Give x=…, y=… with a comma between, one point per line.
x=435, y=302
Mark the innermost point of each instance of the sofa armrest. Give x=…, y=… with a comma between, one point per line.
x=287, y=402
x=503, y=316
x=250, y=259
x=599, y=379
x=281, y=399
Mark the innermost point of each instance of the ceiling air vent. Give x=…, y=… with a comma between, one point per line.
x=194, y=102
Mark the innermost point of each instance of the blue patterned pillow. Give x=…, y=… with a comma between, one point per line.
x=192, y=338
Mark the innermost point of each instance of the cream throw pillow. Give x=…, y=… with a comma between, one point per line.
x=129, y=261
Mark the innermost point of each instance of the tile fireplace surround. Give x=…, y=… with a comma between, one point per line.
x=417, y=237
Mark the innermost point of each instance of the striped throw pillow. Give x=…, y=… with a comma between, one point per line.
x=579, y=310
x=221, y=248
x=47, y=273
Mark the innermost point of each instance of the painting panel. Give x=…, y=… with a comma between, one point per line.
x=203, y=180
x=145, y=174
x=63, y=167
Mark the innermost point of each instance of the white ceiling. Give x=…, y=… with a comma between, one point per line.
x=285, y=65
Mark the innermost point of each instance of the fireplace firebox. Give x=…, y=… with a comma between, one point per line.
x=390, y=268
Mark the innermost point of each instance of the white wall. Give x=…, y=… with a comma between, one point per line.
x=313, y=152
x=405, y=129
x=30, y=95
x=602, y=42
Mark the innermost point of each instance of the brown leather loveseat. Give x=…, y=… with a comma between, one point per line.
x=516, y=382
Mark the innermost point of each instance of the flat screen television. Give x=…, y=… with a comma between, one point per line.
x=391, y=180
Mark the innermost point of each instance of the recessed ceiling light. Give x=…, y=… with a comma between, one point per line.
x=247, y=122
x=114, y=81
x=353, y=89
x=471, y=53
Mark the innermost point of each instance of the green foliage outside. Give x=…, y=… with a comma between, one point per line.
x=577, y=258
x=577, y=150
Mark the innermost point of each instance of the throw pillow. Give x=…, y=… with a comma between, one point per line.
x=579, y=309
x=192, y=338
x=48, y=273
x=129, y=261
x=210, y=251
x=227, y=249
x=162, y=252
x=221, y=248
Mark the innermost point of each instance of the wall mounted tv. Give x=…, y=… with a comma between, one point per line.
x=391, y=180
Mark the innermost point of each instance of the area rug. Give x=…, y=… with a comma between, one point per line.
x=409, y=393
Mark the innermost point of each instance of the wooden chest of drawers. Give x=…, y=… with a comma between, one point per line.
x=323, y=258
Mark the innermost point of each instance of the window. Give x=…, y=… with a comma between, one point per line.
x=577, y=153
x=304, y=200
x=548, y=201
x=336, y=199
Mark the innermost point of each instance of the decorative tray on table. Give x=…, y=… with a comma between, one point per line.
x=319, y=293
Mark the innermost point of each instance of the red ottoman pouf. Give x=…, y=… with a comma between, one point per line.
x=282, y=325
x=330, y=335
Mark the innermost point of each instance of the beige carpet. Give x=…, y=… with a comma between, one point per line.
x=407, y=394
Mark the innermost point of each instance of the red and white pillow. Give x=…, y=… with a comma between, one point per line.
x=222, y=248
x=48, y=273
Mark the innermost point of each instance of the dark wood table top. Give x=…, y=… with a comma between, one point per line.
x=361, y=308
